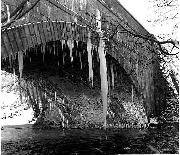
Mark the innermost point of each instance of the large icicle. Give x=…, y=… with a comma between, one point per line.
x=103, y=67
x=20, y=61
x=103, y=74
x=89, y=49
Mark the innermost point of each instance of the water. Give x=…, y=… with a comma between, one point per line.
x=23, y=139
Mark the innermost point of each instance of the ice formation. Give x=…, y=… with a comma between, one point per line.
x=20, y=61
x=132, y=93
x=112, y=75
x=54, y=46
x=70, y=45
x=89, y=50
x=62, y=43
x=80, y=59
x=103, y=74
x=43, y=50
x=63, y=58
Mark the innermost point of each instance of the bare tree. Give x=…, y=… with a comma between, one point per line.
x=165, y=21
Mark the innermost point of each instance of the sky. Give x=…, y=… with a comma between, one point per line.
x=142, y=11
x=139, y=10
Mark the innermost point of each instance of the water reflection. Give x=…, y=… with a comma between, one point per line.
x=25, y=140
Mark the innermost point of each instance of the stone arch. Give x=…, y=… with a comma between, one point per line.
x=23, y=37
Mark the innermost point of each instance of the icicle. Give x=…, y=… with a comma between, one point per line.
x=112, y=76
x=54, y=49
x=62, y=43
x=50, y=50
x=89, y=50
x=103, y=74
x=97, y=55
x=57, y=50
x=132, y=93
x=43, y=51
x=50, y=106
x=10, y=61
x=76, y=53
x=36, y=49
x=63, y=58
x=45, y=95
x=55, y=99
x=64, y=54
x=115, y=72
x=70, y=45
x=80, y=59
x=55, y=96
x=67, y=123
x=14, y=76
x=109, y=83
x=20, y=60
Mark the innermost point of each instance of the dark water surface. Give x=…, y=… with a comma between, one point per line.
x=23, y=139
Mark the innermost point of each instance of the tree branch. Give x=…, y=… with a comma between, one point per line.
x=164, y=51
x=15, y=11
x=20, y=15
x=159, y=43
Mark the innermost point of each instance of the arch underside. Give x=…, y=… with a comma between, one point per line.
x=21, y=38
